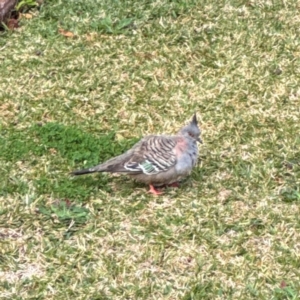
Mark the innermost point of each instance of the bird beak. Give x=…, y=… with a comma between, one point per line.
x=199, y=140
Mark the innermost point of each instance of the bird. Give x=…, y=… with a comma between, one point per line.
x=156, y=160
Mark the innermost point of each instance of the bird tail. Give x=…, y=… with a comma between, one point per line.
x=113, y=165
x=86, y=171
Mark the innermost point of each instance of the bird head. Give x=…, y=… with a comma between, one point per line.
x=192, y=129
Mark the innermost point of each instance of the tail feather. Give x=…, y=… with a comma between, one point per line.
x=83, y=171
x=113, y=165
x=111, y=168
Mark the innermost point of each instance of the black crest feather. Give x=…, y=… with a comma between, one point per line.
x=194, y=120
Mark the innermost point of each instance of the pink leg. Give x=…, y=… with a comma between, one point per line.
x=154, y=191
x=173, y=184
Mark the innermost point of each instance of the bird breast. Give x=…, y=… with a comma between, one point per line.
x=187, y=154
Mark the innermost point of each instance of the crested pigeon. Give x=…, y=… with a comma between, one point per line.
x=156, y=160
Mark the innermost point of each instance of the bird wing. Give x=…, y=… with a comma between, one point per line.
x=152, y=155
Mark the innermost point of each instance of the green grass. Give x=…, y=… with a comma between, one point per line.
x=132, y=68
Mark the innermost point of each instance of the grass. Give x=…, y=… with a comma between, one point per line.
x=81, y=81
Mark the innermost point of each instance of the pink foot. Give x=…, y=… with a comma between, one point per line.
x=154, y=191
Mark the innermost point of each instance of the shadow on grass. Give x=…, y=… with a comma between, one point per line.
x=62, y=147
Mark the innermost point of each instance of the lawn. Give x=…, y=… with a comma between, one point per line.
x=81, y=81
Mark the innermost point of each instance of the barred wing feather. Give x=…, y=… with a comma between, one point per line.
x=153, y=155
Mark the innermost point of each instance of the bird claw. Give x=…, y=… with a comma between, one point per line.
x=154, y=191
